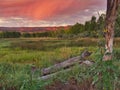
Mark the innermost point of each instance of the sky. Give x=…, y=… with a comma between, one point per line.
x=40, y=13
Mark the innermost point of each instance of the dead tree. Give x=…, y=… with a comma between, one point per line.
x=111, y=14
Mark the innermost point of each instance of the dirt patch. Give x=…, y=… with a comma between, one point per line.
x=11, y=88
x=72, y=84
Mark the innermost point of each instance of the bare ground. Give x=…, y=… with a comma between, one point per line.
x=72, y=84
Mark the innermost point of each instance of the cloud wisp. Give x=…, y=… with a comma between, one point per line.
x=58, y=11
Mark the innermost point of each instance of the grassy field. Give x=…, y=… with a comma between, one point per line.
x=19, y=55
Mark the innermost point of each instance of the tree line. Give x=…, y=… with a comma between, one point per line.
x=91, y=28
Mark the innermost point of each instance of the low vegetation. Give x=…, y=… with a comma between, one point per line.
x=21, y=61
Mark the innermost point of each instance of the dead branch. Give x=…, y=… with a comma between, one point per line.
x=67, y=63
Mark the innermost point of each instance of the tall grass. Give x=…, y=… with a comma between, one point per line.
x=18, y=56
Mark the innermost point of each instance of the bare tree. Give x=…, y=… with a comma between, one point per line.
x=111, y=14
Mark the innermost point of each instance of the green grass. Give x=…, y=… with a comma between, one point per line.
x=18, y=56
x=41, y=52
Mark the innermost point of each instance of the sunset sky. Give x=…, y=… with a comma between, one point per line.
x=35, y=13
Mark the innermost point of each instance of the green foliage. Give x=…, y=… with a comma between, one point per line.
x=16, y=63
x=105, y=75
x=19, y=77
x=26, y=35
x=117, y=24
x=7, y=34
x=76, y=29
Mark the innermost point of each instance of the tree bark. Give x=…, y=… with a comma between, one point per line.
x=59, y=66
x=52, y=72
x=67, y=63
x=111, y=14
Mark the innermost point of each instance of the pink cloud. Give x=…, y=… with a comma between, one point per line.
x=44, y=9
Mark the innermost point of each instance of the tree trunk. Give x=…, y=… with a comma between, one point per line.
x=111, y=14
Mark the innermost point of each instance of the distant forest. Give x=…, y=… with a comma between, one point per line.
x=91, y=28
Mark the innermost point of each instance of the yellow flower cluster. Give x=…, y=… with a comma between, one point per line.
x=105, y=30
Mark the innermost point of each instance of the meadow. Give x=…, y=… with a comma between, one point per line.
x=19, y=55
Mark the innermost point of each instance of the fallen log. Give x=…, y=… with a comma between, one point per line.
x=45, y=77
x=59, y=66
x=53, y=74
x=66, y=64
